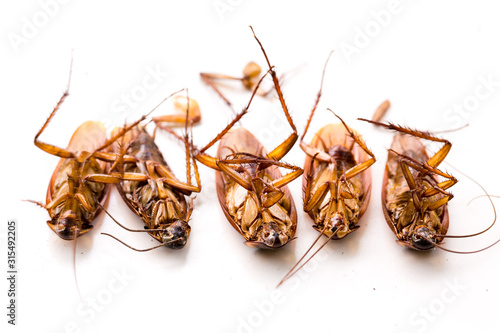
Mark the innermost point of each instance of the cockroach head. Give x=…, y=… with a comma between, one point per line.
x=175, y=236
x=423, y=238
x=272, y=236
x=68, y=226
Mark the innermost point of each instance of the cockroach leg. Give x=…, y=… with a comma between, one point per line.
x=242, y=181
x=211, y=161
x=70, y=202
x=437, y=158
x=282, y=149
x=364, y=165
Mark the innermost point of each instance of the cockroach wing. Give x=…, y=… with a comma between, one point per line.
x=412, y=147
x=240, y=140
x=88, y=137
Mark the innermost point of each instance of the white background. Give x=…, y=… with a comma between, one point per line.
x=425, y=57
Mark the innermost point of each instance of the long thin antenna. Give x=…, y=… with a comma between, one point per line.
x=464, y=252
x=290, y=274
x=492, y=206
x=303, y=256
x=124, y=227
x=318, y=97
x=70, y=70
x=133, y=248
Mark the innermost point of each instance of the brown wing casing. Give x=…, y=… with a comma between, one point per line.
x=88, y=137
x=242, y=141
x=404, y=144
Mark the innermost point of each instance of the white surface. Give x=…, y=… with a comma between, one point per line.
x=429, y=57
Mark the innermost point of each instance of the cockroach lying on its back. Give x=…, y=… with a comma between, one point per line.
x=336, y=181
x=251, y=190
x=414, y=198
x=78, y=186
x=148, y=185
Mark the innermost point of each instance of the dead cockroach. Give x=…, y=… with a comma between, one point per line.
x=336, y=180
x=251, y=74
x=414, y=201
x=251, y=190
x=414, y=198
x=75, y=190
x=149, y=187
x=250, y=78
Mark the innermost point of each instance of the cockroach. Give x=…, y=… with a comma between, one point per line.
x=336, y=180
x=251, y=74
x=189, y=113
x=250, y=78
x=149, y=187
x=75, y=190
x=250, y=188
x=414, y=198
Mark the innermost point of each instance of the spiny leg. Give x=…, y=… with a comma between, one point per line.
x=357, y=169
x=278, y=183
x=319, y=195
x=112, y=157
x=406, y=162
x=210, y=161
x=189, y=147
x=437, y=158
x=424, y=167
x=51, y=149
x=188, y=144
x=307, y=187
x=282, y=149
x=121, y=158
